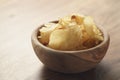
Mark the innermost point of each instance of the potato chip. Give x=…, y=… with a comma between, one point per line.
x=62, y=39
x=45, y=32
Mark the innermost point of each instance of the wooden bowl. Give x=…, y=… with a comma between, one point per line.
x=70, y=61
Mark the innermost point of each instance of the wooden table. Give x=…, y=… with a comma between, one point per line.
x=18, y=18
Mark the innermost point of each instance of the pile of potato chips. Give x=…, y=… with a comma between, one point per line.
x=73, y=32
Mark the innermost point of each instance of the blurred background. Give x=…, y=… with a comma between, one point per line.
x=18, y=18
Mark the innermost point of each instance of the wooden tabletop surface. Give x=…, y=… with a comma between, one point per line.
x=18, y=18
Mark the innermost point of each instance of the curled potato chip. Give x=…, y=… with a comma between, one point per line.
x=88, y=24
x=45, y=32
x=77, y=18
x=62, y=39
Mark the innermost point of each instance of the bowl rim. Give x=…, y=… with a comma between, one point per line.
x=34, y=37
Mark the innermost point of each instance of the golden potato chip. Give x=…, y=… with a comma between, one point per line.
x=77, y=18
x=63, y=39
x=45, y=32
x=88, y=24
